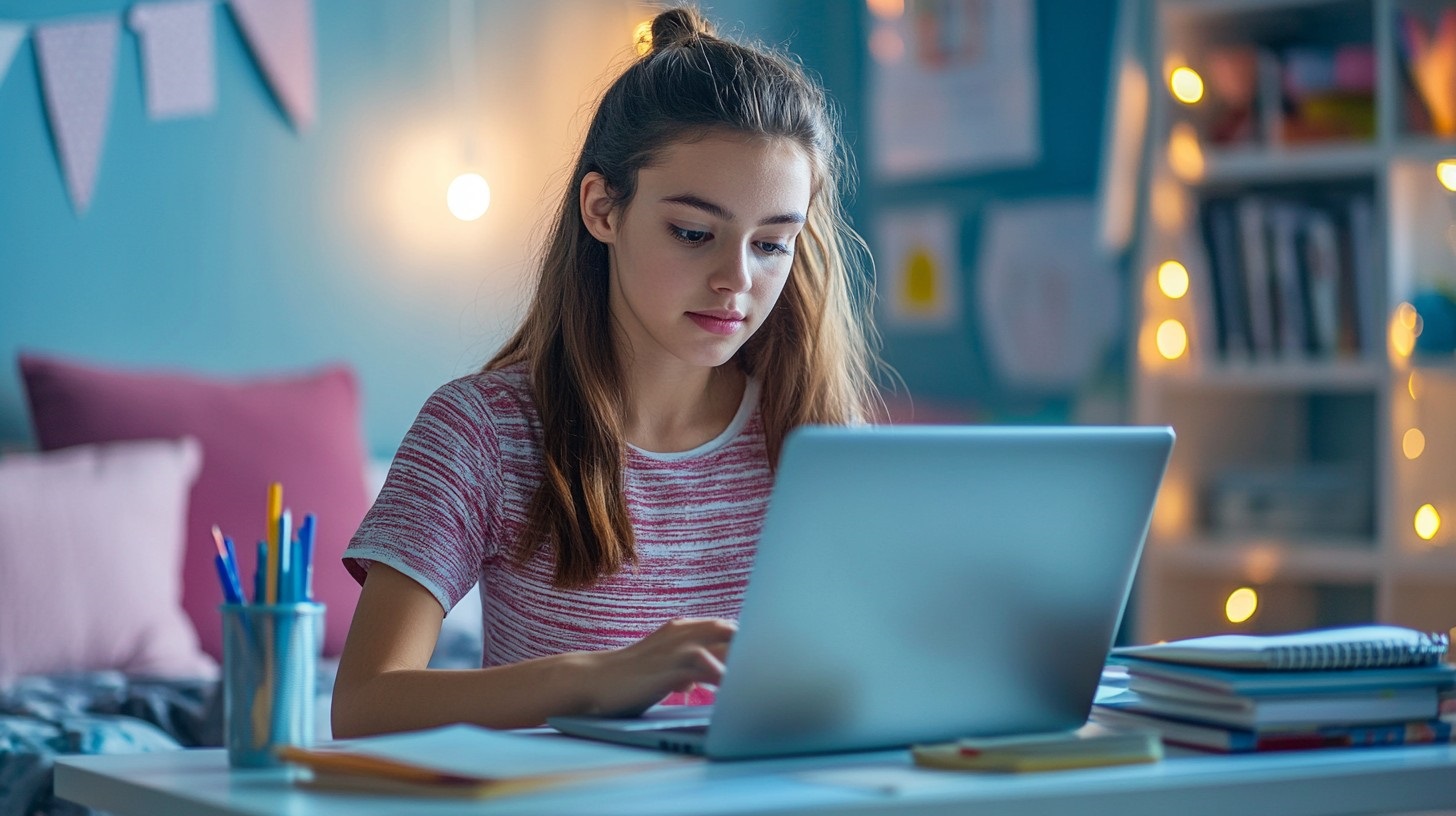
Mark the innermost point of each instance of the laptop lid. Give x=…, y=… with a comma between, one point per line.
x=923, y=583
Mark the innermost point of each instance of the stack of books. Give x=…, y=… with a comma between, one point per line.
x=1354, y=686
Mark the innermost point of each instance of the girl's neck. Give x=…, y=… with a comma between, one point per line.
x=668, y=412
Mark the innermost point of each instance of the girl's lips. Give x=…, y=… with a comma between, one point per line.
x=716, y=325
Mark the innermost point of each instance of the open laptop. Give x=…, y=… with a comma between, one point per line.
x=919, y=584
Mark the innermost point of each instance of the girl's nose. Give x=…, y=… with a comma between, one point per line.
x=732, y=274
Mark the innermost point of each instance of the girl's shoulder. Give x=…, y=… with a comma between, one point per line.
x=497, y=397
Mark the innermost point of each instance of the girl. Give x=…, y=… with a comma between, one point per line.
x=605, y=477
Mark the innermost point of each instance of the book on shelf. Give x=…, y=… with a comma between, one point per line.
x=1208, y=737
x=1090, y=746
x=1291, y=276
x=465, y=761
x=1347, y=647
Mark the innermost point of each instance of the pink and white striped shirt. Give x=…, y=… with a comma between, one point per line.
x=455, y=501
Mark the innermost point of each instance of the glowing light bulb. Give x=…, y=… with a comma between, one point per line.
x=1413, y=444
x=1186, y=84
x=1185, y=155
x=1446, y=172
x=1403, y=330
x=1172, y=339
x=1427, y=522
x=1173, y=279
x=468, y=197
x=1240, y=605
x=1413, y=385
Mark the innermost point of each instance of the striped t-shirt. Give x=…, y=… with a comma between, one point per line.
x=455, y=500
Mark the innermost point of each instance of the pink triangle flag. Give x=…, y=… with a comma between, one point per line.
x=280, y=35
x=177, y=57
x=11, y=35
x=77, y=63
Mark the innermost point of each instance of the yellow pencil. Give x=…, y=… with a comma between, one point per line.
x=275, y=511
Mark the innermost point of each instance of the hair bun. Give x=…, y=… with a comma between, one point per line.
x=678, y=26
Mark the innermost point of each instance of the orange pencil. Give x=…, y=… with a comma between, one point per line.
x=275, y=511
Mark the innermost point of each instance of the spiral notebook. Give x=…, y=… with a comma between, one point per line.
x=1352, y=647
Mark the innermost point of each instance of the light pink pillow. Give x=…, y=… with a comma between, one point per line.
x=91, y=560
x=302, y=430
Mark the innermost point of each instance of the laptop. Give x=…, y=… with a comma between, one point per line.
x=918, y=584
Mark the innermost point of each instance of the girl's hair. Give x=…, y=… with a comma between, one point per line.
x=814, y=354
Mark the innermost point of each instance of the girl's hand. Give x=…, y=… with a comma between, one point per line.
x=681, y=653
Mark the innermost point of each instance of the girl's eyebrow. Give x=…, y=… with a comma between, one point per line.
x=719, y=211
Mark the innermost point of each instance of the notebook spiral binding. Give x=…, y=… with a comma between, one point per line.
x=1426, y=651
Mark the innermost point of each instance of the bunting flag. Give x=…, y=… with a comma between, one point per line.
x=178, y=57
x=11, y=35
x=280, y=36
x=77, y=62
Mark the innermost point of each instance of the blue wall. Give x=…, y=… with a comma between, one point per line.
x=232, y=245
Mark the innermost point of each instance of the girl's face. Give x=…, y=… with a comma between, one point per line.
x=701, y=253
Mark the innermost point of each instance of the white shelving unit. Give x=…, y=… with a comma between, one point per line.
x=1302, y=412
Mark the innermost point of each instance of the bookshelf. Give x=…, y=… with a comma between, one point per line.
x=1299, y=197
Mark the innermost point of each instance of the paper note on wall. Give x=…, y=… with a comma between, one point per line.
x=918, y=267
x=1049, y=304
x=177, y=57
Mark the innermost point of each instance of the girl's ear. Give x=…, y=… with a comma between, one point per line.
x=597, y=207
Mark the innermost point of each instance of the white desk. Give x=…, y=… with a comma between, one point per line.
x=1371, y=780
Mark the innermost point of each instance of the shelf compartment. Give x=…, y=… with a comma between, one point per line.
x=1267, y=559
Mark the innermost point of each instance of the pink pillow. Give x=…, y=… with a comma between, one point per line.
x=302, y=430
x=90, y=560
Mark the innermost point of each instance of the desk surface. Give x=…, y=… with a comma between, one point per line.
x=1365, y=780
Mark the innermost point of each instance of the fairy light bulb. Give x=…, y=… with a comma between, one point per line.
x=1427, y=522
x=468, y=196
x=1186, y=84
x=1413, y=443
x=1172, y=339
x=1173, y=279
x=1241, y=604
x=642, y=37
x=1446, y=173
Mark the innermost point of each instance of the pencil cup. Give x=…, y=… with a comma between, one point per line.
x=270, y=659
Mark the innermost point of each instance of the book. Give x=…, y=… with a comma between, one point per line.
x=465, y=761
x=1202, y=736
x=1254, y=712
x=1090, y=746
x=1352, y=647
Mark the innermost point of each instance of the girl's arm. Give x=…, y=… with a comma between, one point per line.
x=383, y=684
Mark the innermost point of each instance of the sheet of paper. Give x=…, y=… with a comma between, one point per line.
x=480, y=752
x=953, y=86
x=177, y=57
x=917, y=261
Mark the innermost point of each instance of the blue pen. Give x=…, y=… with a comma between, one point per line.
x=227, y=570
x=259, y=581
x=285, y=558
x=306, y=532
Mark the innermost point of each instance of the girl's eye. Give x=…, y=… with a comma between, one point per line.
x=690, y=237
x=771, y=248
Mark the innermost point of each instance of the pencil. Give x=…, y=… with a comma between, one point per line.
x=275, y=511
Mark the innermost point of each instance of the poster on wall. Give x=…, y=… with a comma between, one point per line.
x=953, y=86
x=1048, y=304
x=918, y=268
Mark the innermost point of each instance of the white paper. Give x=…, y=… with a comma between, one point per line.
x=479, y=752
x=178, y=57
x=917, y=262
x=280, y=35
x=1048, y=300
x=11, y=36
x=953, y=86
x=78, y=70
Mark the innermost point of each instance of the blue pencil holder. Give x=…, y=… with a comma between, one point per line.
x=270, y=662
